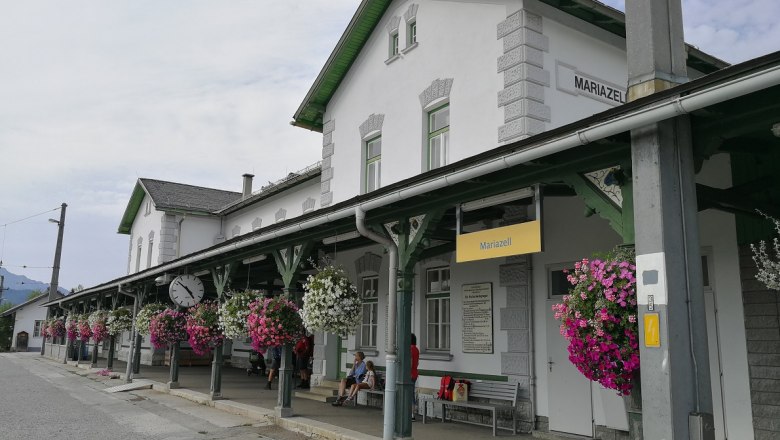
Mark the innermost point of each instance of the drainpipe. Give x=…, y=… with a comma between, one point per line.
x=531, y=345
x=390, y=356
x=178, y=238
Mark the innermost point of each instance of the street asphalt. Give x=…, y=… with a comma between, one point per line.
x=39, y=400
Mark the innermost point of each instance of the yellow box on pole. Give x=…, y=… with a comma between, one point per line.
x=522, y=238
x=652, y=330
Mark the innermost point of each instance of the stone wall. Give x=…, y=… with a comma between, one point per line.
x=762, y=329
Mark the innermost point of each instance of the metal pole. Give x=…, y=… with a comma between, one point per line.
x=94, y=355
x=131, y=345
x=110, y=362
x=174, y=377
x=216, y=373
x=284, y=397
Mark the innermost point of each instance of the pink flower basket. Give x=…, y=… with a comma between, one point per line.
x=273, y=322
x=72, y=330
x=167, y=327
x=57, y=328
x=85, y=332
x=599, y=319
x=203, y=327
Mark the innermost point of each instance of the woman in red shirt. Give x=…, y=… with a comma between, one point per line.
x=415, y=363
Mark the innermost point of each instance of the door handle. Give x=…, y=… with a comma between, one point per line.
x=550, y=364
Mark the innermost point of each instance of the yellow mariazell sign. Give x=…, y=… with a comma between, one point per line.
x=523, y=238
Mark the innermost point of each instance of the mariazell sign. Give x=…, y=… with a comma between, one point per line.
x=522, y=238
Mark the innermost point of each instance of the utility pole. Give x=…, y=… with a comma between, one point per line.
x=55, y=272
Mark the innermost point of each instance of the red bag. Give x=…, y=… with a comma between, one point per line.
x=446, y=385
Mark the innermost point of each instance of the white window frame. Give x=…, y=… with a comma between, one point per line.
x=442, y=135
x=437, y=300
x=394, y=44
x=138, y=257
x=411, y=33
x=149, y=253
x=37, y=328
x=375, y=163
x=370, y=297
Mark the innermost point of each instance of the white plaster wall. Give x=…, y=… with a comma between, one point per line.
x=25, y=322
x=142, y=225
x=600, y=57
x=197, y=233
x=446, y=51
x=717, y=230
x=291, y=200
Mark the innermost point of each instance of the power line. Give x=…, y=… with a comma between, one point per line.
x=5, y=228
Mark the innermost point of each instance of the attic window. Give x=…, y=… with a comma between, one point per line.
x=148, y=209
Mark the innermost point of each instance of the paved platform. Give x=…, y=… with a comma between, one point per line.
x=247, y=396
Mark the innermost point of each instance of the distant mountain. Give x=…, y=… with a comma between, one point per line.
x=16, y=288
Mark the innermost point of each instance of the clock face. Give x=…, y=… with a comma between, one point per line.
x=186, y=290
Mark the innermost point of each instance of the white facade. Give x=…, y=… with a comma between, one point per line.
x=25, y=321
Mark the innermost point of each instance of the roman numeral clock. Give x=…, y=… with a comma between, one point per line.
x=186, y=290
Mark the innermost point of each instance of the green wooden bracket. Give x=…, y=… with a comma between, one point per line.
x=221, y=277
x=627, y=189
x=289, y=259
x=596, y=201
x=411, y=234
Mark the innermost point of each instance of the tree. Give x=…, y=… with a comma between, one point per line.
x=6, y=328
x=34, y=294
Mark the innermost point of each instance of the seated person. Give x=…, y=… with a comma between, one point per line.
x=369, y=382
x=354, y=375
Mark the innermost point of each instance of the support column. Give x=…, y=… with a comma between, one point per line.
x=216, y=374
x=93, y=364
x=404, y=385
x=675, y=374
x=137, y=353
x=173, y=382
x=78, y=351
x=288, y=263
x=221, y=277
x=111, y=344
x=284, y=397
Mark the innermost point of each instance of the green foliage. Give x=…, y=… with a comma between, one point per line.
x=6, y=329
x=34, y=294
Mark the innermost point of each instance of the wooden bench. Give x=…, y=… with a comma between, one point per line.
x=379, y=389
x=501, y=396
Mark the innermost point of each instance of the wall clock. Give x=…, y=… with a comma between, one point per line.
x=186, y=290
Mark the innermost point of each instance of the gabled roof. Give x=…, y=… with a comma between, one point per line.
x=176, y=197
x=17, y=307
x=369, y=13
x=290, y=181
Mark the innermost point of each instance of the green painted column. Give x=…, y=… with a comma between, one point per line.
x=137, y=354
x=216, y=374
x=94, y=355
x=284, y=397
x=404, y=385
x=111, y=344
x=174, y=376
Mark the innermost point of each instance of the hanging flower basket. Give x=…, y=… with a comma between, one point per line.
x=45, y=329
x=119, y=320
x=203, y=327
x=97, y=322
x=85, y=331
x=599, y=319
x=234, y=311
x=57, y=328
x=331, y=302
x=145, y=315
x=72, y=327
x=768, y=266
x=273, y=322
x=167, y=327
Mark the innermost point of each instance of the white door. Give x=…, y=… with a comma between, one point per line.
x=569, y=392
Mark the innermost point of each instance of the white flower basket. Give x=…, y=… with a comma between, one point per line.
x=233, y=314
x=331, y=302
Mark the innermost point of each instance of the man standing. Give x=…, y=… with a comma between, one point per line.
x=354, y=375
x=415, y=362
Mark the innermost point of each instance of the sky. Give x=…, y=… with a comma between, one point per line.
x=95, y=94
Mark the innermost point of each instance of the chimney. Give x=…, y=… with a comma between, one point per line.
x=247, y=186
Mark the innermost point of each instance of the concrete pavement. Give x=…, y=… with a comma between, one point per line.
x=247, y=397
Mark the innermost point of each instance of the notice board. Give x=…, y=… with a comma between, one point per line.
x=478, y=318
